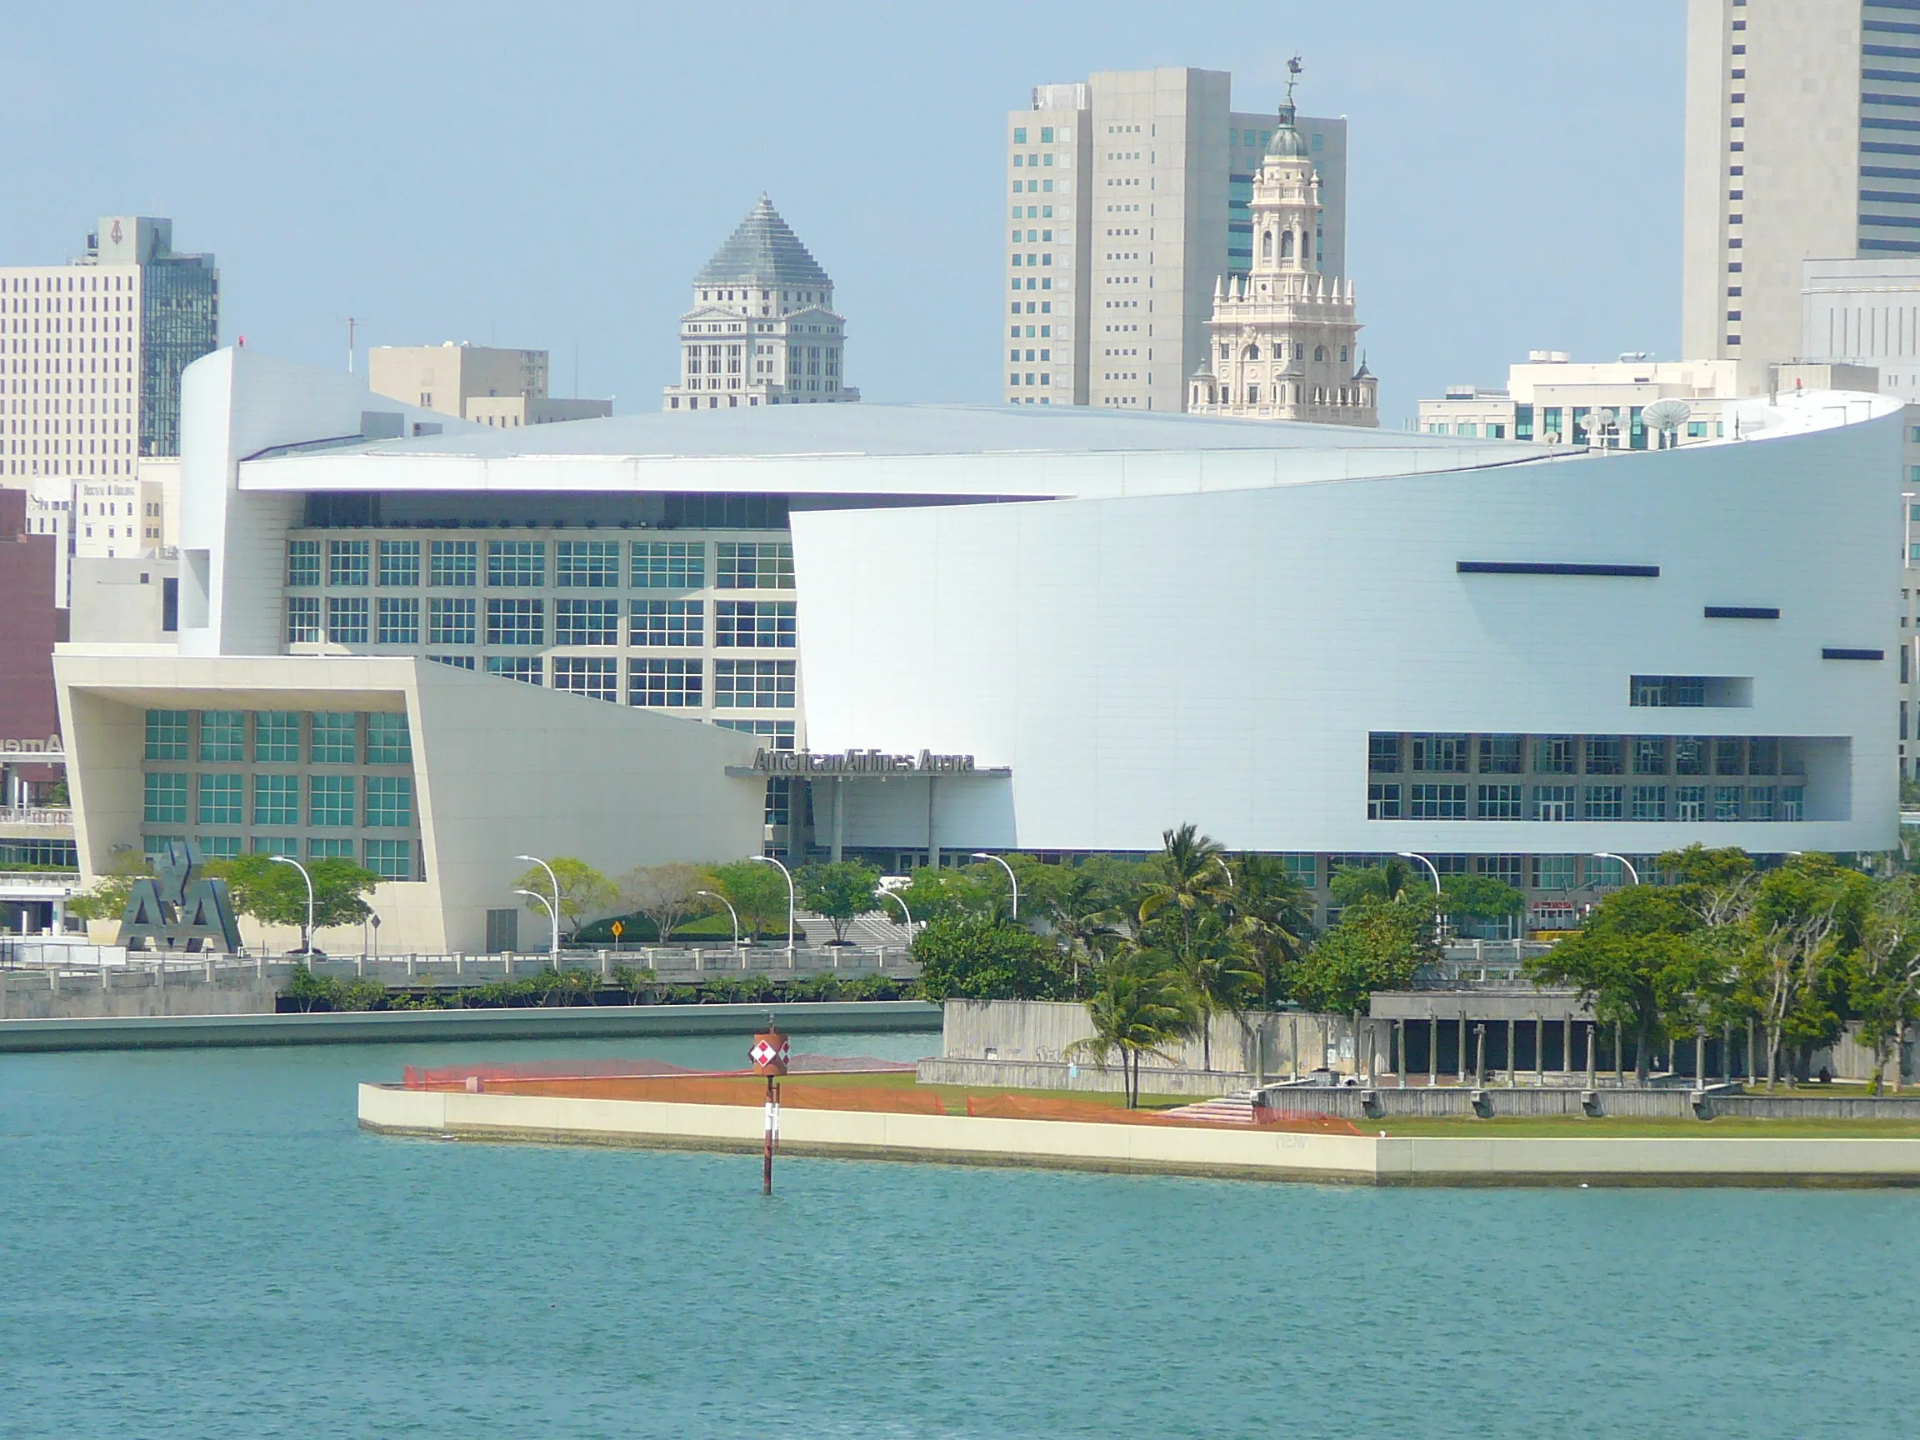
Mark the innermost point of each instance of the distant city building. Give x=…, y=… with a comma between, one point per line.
x=762, y=330
x=1285, y=340
x=94, y=349
x=1555, y=400
x=501, y=388
x=1799, y=145
x=1132, y=194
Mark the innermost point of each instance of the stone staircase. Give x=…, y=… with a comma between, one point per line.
x=1236, y=1109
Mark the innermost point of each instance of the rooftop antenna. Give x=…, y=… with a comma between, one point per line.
x=353, y=324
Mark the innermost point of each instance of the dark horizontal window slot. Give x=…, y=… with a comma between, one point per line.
x=1545, y=567
x=1743, y=612
x=1833, y=653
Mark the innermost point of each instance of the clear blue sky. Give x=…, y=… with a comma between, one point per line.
x=546, y=175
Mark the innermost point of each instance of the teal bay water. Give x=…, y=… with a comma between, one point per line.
x=203, y=1244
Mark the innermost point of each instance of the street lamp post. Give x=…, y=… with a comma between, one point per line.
x=553, y=907
x=889, y=895
x=1633, y=874
x=769, y=860
x=1012, y=879
x=306, y=940
x=716, y=895
x=1432, y=869
x=553, y=924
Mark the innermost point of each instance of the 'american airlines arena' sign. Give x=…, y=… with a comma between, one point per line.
x=863, y=762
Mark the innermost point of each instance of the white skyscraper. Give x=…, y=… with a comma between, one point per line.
x=762, y=330
x=93, y=351
x=1131, y=195
x=1803, y=143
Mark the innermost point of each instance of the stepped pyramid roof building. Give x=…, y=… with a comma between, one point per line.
x=1284, y=340
x=762, y=330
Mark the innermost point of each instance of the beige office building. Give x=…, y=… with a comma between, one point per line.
x=1802, y=143
x=504, y=389
x=1131, y=197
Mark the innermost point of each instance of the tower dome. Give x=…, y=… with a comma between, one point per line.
x=1287, y=143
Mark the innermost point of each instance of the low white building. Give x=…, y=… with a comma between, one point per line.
x=903, y=632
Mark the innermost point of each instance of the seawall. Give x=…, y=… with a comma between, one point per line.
x=435, y=1026
x=1225, y=1151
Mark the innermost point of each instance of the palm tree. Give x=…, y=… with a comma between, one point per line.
x=1137, y=1009
x=1187, y=910
x=1275, y=914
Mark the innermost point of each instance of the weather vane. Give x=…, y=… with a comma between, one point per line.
x=1293, y=76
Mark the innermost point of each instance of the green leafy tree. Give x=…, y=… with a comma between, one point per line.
x=1140, y=1006
x=969, y=958
x=584, y=891
x=1798, y=926
x=1639, y=959
x=946, y=894
x=839, y=892
x=665, y=894
x=1480, y=897
x=1883, y=972
x=1393, y=879
x=106, y=898
x=1378, y=945
x=274, y=894
x=758, y=893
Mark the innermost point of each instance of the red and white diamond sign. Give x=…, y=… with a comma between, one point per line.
x=770, y=1053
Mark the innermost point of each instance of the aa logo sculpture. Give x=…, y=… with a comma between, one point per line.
x=179, y=909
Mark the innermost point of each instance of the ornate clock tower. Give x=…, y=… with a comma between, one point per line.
x=1283, y=339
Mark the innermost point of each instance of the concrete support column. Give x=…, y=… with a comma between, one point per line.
x=1539, y=1050
x=933, y=844
x=1433, y=1049
x=1566, y=1044
x=1400, y=1033
x=1513, y=1072
x=839, y=815
x=1463, y=1044
x=1619, y=1056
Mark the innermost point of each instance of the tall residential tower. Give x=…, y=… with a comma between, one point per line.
x=1803, y=143
x=1131, y=194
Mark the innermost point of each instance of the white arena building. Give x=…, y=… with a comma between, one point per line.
x=902, y=632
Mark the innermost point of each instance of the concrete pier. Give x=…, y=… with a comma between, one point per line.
x=1225, y=1151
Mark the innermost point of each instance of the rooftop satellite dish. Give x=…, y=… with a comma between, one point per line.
x=1667, y=415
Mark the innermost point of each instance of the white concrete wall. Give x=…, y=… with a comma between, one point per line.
x=1221, y=657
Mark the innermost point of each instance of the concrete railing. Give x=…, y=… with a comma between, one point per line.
x=16, y=815
x=671, y=963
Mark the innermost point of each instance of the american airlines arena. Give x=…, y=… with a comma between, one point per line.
x=908, y=632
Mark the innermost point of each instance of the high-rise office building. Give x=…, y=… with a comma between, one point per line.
x=1131, y=195
x=93, y=351
x=762, y=330
x=1803, y=143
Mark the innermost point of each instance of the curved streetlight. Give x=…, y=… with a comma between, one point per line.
x=1226, y=870
x=716, y=895
x=889, y=895
x=1625, y=863
x=1012, y=878
x=1432, y=869
x=553, y=907
x=553, y=925
x=306, y=940
x=769, y=860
